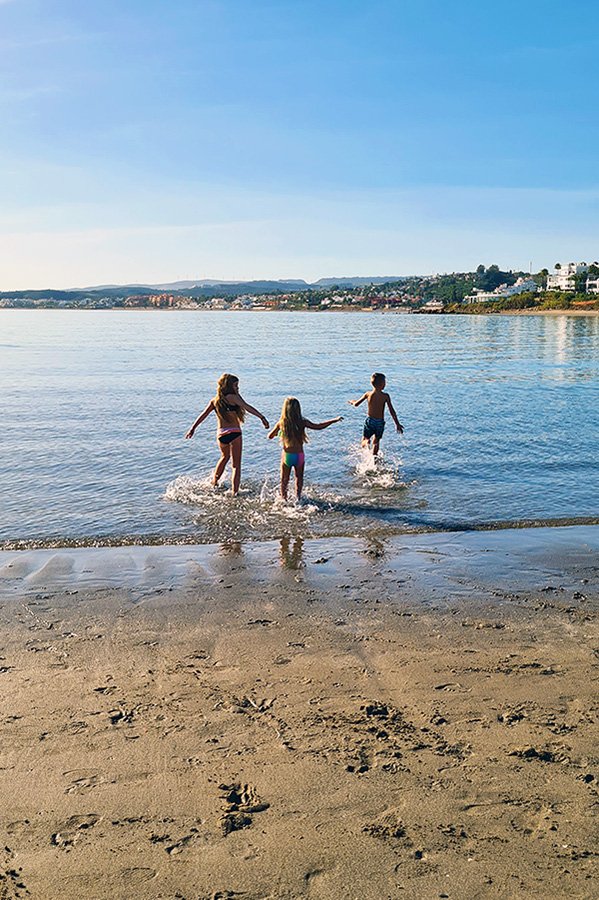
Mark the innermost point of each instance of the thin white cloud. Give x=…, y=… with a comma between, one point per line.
x=16, y=95
x=48, y=40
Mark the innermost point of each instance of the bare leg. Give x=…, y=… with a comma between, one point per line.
x=375, y=446
x=366, y=442
x=225, y=450
x=285, y=473
x=236, y=447
x=299, y=480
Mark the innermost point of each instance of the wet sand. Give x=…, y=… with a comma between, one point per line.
x=330, y=719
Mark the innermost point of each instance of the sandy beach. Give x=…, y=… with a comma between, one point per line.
x=550, y=312
x=328, y=719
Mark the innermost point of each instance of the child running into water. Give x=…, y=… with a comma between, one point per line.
x=230, y=409
x=291, y=428
x=375, y=420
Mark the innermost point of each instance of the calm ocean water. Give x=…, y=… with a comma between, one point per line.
x=500, y=417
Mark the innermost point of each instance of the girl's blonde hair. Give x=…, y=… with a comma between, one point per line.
x=291, y=427
x=227, y=384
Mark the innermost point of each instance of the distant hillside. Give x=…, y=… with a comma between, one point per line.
x=235, y=288
x=357, y=282
x=203, y=287
x=282, y=284
x=183, y=285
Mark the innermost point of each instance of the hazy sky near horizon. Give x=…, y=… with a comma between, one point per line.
x=154, y=140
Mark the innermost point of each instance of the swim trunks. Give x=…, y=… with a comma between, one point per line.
x=373, y=428
x=292, y=460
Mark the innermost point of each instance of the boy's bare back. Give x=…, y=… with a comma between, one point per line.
x=377, y=400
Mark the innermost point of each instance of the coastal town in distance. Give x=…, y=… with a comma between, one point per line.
x=571, y=286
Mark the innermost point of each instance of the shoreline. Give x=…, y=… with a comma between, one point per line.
x=345, y=310
x=548, y=312
x=178, y=540
x=356, y=718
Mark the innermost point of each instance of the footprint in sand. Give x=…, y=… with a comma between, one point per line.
x=105, y=689
x=12, y=886
x=556, y=754
x=70, y=830
x=74, y=727
x=85, y=781
x=242, y=803
x=174, y=846
x=20, y=826
x=535, y=819
x=452, y=687
x=388, y=826
x=512, y=716
x=225, y=895
x=83, y=785
x=122, y=716
x=137, y=875
x=312, y=877
x=181, y=844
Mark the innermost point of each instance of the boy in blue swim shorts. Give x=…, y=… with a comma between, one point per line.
x=374, y=425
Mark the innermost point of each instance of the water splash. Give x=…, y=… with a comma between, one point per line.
x=186, y=489
x=272, y=501
x=258, y=507
x=382, y=471
x=264, y=491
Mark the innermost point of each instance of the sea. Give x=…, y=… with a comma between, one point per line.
x=501, y=419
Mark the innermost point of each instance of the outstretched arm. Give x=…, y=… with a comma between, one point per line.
x=203, y=415
x=237, y=400
x=274, y=432
x=357, y=402
x=393, y=415
x=318, y=426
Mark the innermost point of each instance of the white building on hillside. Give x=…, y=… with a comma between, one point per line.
x=564, y=278
x=592, y=285
x=521, y=286
x=432, y=306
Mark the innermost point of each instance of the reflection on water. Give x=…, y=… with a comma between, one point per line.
x=374, y=547
x=292, y=553
x=231, y=549
x=566, y=342
x=499, y=414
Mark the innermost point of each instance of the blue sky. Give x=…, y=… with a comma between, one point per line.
x=149, y=141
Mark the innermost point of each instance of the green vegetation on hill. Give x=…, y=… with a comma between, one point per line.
x=546, y=300
x=453, y=288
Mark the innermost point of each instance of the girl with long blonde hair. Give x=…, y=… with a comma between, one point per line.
x=291, y=429
x=230, y=409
